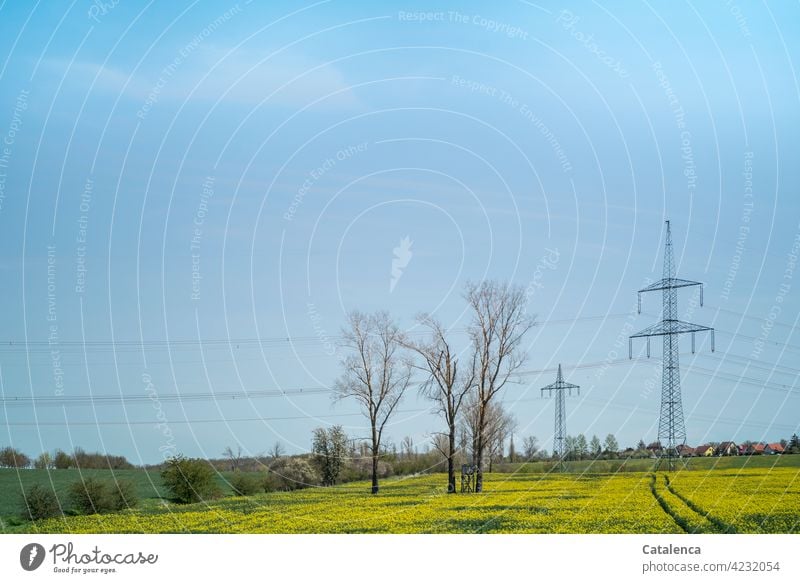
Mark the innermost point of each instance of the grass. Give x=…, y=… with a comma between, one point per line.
x=147, y=483
x=649, y=465
x=749, y=499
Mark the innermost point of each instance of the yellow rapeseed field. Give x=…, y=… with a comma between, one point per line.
x=745, y=500
x=748, y=501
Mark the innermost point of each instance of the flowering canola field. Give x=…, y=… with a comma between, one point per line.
x=747, y=500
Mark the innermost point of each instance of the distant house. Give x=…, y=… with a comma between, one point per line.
x=758, y=448
x=685, y=450
x=726, y=448
x=704, y=451
x=773, y=448
x=745, y=449
x=654, y=449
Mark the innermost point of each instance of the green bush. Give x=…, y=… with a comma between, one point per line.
x=189, y=480
x=244, y=484
x=270, y=482
x=39, y=502
x=90, y=496
x=94, y=496
x=63, y=461
x=123, y=495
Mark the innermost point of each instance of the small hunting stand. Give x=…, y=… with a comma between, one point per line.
x=468, y=473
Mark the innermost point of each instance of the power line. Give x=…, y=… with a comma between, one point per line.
x=170, y=397
x=614, y=405
x=749, y=317
x=104, y=399
x=107, y=399
x=193, y=421
x=791, y=347
x=43, y=346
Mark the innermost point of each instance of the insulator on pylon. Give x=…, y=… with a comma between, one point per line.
x=692, y=342
x=648, y=348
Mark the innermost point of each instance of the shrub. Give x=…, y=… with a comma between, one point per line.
x=189, y=480
x=294, y=474
x=361, y=469
x=244, y=484
x=90, y=496
x=123, y=495
x=43, y=462
x=270, y=482
x=63, y=460
x=39, y=502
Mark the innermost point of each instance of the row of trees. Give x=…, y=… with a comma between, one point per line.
x=577, y=448
x=11, y=457
x=380, y=362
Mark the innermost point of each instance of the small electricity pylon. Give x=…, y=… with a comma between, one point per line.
x=560, y=435
x=671, y=427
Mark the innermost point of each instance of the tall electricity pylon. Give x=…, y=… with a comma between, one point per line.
x=671, y=427
x=561, y=414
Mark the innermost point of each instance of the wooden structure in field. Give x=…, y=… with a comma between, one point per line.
x=468, y=473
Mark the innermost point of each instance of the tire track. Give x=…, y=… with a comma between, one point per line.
x=721, y=526
x=690, y=521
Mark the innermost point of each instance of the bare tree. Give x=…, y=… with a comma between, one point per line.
x=530, y=447
x=447, y=385
x=234, y=457
x=277, y=451
x=498, y=424
x=407, y=447
x=499, y=323
x=375, y=373
x=441, y=444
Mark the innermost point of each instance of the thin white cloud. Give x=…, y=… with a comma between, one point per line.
x=288, y=79
x=212, y=73
x=84, y=74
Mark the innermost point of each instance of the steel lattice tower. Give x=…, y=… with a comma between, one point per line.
x=671, y=427
x=560, y=435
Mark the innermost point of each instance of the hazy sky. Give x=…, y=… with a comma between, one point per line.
x=173, y=176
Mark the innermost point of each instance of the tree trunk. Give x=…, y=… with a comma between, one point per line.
x=451, y=471
x=479, y=466
x=374, y=473
x=479, y=451
x=375, y=451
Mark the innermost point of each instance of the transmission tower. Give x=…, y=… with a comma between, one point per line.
x=671, y=427
x=561, y=414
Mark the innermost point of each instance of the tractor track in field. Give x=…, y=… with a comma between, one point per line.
x=721, y=526
x=687, y=515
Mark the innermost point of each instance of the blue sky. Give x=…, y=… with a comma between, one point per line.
x=240, y=171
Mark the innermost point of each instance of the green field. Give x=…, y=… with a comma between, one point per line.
x=721, y=495
x=148, y=486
